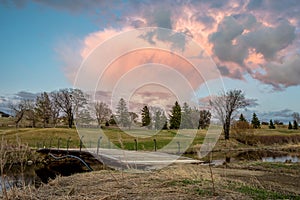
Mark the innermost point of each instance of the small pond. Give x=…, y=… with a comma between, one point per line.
x=218, y=158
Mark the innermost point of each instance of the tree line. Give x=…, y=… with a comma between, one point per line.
x=183, y=117
x=50, y=108
x=255, y=123
x=59, y=107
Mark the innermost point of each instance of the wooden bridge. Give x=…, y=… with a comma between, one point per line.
x=123, y=159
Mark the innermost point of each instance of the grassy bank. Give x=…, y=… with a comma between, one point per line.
x=173, y=182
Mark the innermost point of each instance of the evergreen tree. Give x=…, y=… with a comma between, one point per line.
x=290, y=126
x=204, y=120
x=157, y=120
x=175, y=117
x=165, y=127
x=242, y=118
x=255, y=121
x=295, y=125
x=186, y=117
x=146, y=119
x=195, y=115
x=160, y=120
x=271, y=126
x=123, y=117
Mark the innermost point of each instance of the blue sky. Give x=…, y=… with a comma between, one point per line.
x=255, y=44
x=29, y=38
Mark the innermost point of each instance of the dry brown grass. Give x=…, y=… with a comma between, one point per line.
x=174, y=182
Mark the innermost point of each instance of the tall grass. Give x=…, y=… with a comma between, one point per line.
x=13, y=155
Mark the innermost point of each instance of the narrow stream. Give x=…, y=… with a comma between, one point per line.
x=40, y=173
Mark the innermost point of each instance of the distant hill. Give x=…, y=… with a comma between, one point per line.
x=3, y=114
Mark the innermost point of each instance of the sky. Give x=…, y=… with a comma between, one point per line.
x=254, y=45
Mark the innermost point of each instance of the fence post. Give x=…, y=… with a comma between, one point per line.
x=155, y=147
x=98, y=144
x=136, y=144
x=80, y=143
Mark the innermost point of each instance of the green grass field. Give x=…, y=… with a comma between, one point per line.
x=39, y=137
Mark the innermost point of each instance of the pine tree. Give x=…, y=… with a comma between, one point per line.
x=175, y=117
x=272, y=126
x=186, y=117
x=295, y=125
x=204, y=120
x=255, y=121
x=165, y=127
x=290, y=126
x=122, y=116
x=160, y=120
x=242, y=118
x=157, y=121
x=146, y=119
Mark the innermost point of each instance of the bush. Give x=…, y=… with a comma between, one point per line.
x=241, y=125
x=244, y=135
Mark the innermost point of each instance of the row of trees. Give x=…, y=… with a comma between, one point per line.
x=155, y=118
x=242, y=123
x=55, y=107
x=48, y=108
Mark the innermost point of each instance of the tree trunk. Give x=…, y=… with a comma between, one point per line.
x=226, y=128
x=226, y=132
x=33, y=123
x=70, y=120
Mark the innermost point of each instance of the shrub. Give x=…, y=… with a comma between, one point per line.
x=244, y=135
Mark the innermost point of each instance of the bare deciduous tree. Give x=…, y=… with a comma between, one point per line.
x=69, y=101
x=19, y=112
x=55, y=110
x=296, y=117
x=226, y=105
x=43, y=108
x=102, y=111
x=30, y=112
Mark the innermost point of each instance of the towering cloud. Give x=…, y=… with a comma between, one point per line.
x=258, y=37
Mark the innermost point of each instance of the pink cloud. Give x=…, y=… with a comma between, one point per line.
x=265, y=36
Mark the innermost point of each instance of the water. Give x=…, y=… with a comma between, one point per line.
x=291, y=159
x=219, y=158
x=37, y=174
